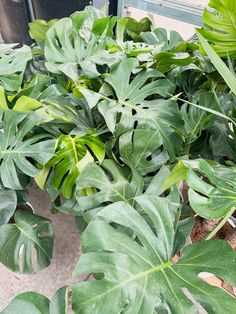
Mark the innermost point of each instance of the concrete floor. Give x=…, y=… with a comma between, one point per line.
x=65, y=256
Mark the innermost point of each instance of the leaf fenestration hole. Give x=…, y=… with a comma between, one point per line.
x=58, y=42
x=34, y=259
x=199, y=307
x=210, y=278
x=69, y=301
x=135, y=124
x=134, y=112
x=20, y=258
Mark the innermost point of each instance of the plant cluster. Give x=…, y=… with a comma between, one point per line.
x=133, y=132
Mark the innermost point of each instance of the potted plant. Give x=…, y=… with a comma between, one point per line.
x=132, y=132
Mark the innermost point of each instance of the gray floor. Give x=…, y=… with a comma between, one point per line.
x=65, y=256
x=66, y=253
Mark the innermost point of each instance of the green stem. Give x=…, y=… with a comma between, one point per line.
x=213, y=86
x=187, y=149
x=220, y=224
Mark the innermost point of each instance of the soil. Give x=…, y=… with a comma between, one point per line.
x=201, y=229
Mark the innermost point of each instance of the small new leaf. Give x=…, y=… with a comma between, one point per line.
x=72, y=155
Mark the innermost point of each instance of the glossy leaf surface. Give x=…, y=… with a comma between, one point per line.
x=71, y=157
x=84, y=45
x=138, y=274
x=26, y=246
x=130, y=101
x=28, y=303
x=211, y=196
x=8, y=201
x=17, y=152
x=109, y=183
x=220, y=26
x=12, y=65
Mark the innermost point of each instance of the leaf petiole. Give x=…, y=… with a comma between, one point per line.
x=220, y=224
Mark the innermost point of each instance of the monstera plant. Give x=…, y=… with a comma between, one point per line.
x=132, y=131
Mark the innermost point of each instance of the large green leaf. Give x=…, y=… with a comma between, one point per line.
x=107, y=181
x=78, y=42
x=110, y=183
x=144, y=149
x=195, y=119
x=26, y=246
x=71, y=156
x=28, y=303
x=8, y=201
x=168, y=51
x=136, y=274
x=52, y=102
x=220, y=26
x=12, y=65
x=17, y=152
x=130, y=101
x=217, y=142
x=212, y=199
x=34, y=87
x=38, y=29
x=59, y=302
x=165, y=60
x=57, y=104
x=134, y=28
x=228, y=76
x=159, y=36
x=222, y=141
x=35, y=303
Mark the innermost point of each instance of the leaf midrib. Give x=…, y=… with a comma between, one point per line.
x=133, y=278
x=33, y=240
x=232, y=21
x=110, y=186
x=191, y=284
x=74, y=150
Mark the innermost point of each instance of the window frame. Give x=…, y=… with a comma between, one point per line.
x=175, y=9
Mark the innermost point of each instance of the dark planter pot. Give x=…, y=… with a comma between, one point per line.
x=14, y=21
x=16, y=14
x=49, y=9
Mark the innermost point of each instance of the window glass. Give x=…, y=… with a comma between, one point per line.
x=185, y=29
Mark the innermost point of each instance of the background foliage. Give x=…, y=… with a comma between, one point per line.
x=109, y=116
